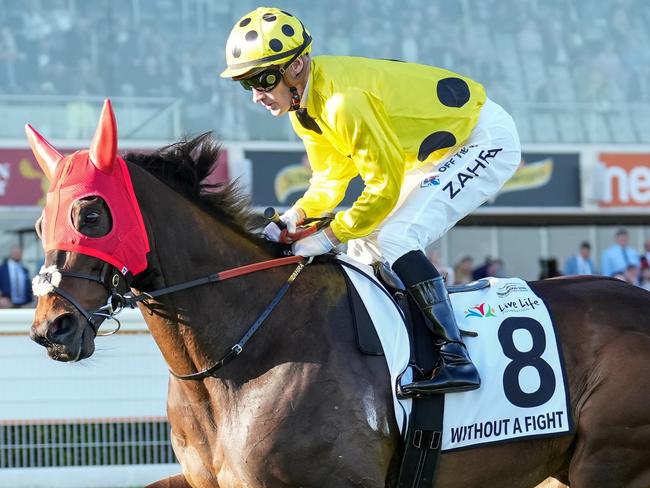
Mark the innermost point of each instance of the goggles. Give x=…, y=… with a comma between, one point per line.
x=264, y=81
x=267, y=79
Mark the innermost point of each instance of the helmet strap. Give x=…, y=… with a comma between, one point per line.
x=295, y=99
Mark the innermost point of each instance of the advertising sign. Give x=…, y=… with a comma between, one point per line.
x=544, y=180
x=22, y=181
x=624, y=180
x=281, y=177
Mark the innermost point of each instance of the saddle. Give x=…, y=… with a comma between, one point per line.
x=423, y=433
x=366, y=335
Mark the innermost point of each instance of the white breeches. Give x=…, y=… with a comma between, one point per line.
x=436, y=196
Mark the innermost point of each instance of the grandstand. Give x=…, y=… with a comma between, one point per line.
x=569, y=71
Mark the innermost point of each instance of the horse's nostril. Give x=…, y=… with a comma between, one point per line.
x=39, y=338
x=60, y=329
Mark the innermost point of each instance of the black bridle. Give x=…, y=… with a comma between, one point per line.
x=120, y=297
x=108, y=276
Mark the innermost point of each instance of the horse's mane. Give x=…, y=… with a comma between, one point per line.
x=184, y=165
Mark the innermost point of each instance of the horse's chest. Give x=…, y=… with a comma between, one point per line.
x=271, y=435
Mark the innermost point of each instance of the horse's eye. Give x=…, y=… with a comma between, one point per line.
x=91, y=218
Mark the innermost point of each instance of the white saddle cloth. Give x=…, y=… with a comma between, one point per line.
x=523, y=390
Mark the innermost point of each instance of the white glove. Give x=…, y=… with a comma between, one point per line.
x=291, y=219
x=313, y=245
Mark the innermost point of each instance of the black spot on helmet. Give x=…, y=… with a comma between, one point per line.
x=264, y=37
x=276, y=45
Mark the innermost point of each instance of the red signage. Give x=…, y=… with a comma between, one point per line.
x=626, y=180
x=23, y=183
x=21, y=180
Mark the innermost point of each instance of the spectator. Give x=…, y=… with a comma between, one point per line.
x=15, y=282
x=580, y=263
x=644, y=282
x=61, y=17
x=549, y=268
x=10, y=56
x=35, y=26
x=496, y=269
x=631, y=274
x=481, y=271
x=599, y=50
x=617, y=257
x=491, y=267
x=447, y=272
x=463, y=270
x=645, y=257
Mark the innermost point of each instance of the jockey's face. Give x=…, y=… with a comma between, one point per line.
x=276, y=101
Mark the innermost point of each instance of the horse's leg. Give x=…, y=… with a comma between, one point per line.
x=613, y=431
x=177, y=481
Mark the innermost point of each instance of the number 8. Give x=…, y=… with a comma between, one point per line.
x=520, y=360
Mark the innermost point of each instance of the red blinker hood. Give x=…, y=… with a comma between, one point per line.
x=100, y=172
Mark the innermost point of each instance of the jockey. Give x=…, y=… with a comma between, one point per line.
x=427, y=142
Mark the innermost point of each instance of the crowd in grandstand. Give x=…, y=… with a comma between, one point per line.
x=550, y=51
x=619, y=260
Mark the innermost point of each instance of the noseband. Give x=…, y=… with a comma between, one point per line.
x=111, y=279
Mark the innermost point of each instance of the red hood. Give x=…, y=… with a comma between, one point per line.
x=96, y=172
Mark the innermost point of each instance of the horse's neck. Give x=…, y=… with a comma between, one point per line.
x=194, y=327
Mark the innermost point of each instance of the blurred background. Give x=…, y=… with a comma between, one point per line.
x=575, y=75
x=570, y=71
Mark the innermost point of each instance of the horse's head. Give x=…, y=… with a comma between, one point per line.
x=93, y=237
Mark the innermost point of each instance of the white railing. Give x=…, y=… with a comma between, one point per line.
x=100, y=422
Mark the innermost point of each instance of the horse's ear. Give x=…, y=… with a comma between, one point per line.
x=103, y=149
x=45, y=154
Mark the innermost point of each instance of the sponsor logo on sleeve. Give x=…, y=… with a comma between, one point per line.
x=433, y=180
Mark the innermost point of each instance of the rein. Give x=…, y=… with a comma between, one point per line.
x=119, y=297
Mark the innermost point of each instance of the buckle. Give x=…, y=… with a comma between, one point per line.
x=417, y=439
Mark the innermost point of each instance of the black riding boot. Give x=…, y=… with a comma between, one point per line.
x=455, y=371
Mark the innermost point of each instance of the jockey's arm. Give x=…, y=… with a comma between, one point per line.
x=363, y=129
x=331, y=174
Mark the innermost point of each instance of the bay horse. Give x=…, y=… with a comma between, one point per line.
x=294, y=408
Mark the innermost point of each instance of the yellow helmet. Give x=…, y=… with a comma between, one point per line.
x=264, y=37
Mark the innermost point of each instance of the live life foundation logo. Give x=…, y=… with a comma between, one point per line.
x=510, y=427
x=519, y=305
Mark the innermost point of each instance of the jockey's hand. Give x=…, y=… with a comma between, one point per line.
x=291, y=218
x=313, y=245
